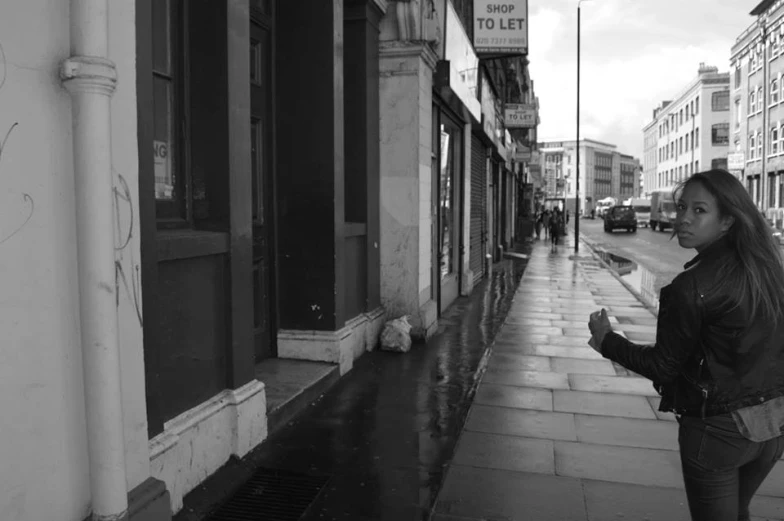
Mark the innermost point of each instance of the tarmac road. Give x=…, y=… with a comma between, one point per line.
x=653, y=250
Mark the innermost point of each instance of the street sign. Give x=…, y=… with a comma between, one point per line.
x=735, y=161
x=520, y=115
x=501, y=26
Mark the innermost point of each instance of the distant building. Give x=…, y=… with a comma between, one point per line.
x=757, y=108
x=604, y=172
x=689, y=133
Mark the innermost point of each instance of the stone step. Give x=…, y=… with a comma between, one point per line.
x=291, y=385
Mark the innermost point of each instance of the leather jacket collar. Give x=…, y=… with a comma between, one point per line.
x=715, y=249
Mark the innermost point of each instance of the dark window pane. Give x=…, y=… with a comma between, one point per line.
x=161, y=37
x=256, y=158
x=255, y=62
x=163, y=145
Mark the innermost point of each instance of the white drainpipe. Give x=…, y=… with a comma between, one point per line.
x=91, y=79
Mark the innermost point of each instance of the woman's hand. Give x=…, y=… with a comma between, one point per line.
x=599, y=325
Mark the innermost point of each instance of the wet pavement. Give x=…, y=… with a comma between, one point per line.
x=556, y=432
x=386, y=432
x=506, y=414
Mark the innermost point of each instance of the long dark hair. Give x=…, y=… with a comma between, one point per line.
x=756, y=274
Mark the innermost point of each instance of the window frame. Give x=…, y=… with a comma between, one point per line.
x=177, y=212
x=718, y=101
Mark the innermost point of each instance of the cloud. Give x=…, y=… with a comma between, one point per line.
x=634, y=54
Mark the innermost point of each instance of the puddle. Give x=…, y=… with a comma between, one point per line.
x=637, y=276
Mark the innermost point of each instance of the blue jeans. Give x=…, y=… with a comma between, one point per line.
x=722, y=470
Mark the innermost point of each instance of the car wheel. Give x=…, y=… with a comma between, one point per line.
x=653, y=226
x=634, y=230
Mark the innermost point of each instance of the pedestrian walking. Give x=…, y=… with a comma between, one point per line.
x=546, y=222
x=718, y=360
x=538, y=225
x=555, y=228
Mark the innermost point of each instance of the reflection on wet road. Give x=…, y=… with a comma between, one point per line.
x=657, y=258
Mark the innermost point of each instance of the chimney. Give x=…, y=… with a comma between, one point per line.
x=704, y=69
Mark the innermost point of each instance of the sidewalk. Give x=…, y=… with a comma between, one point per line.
x=381, y=438
x=556, y=432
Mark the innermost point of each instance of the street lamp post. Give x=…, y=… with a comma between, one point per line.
x=577, y=143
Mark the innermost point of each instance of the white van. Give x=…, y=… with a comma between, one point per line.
x=642, y=208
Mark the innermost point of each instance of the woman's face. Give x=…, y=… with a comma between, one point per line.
x=698, y=222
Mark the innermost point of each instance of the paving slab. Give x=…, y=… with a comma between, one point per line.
x=649, y=467
x=514, y=397
x=528, y=379
x=584, y=353
x=574, y=365
x=627, y=432
x=524, y=423
x=502, y=495
x=603, y=404
x=496, y=451
x=516, y=362
x=609, y=501
x=612, y=384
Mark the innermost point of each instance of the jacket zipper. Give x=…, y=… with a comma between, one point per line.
x=704, y=391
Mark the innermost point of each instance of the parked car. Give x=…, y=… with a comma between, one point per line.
x=620, y=216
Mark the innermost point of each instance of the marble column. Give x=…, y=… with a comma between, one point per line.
x=406, y=73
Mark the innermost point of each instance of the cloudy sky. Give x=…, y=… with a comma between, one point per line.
x=634, y=54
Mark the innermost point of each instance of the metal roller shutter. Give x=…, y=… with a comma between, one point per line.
x=478, y=207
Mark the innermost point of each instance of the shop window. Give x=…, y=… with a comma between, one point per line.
x=720, y=134
x=168, y=108
x=184, y=118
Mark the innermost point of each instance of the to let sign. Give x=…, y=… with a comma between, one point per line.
x=501, y=26
x=520, y=115
x=735, y=161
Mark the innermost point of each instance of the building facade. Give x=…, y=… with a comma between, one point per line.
x=692, y=131
x=757, y=108
x=604, y=172
x=171, y=230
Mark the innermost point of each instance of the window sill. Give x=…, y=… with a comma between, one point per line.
x=187, y=244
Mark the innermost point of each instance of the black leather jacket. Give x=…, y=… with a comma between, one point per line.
x=706, y=360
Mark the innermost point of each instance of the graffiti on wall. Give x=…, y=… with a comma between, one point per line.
x=128, y=279
x=14, y=217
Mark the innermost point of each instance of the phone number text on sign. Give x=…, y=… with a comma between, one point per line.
x=501, y=26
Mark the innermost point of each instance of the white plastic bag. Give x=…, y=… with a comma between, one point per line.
x=396, y=335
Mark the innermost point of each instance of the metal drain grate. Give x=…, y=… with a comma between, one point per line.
x=271, y=495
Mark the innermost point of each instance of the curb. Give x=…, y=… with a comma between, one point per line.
x=629, y=287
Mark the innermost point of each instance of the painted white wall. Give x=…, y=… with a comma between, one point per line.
x=122, y=51
x=43, y=439
x=43, y=446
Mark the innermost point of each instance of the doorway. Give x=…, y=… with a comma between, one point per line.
x=262, y=165
x=447, y=178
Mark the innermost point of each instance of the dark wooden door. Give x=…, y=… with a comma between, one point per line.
x=261, y=170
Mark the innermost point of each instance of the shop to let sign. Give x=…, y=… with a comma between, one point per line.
x=501, y=26
x=520, y=115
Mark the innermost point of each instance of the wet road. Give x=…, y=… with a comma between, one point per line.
x=652, y=250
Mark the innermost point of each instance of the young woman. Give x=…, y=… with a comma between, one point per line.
x=718, y=361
